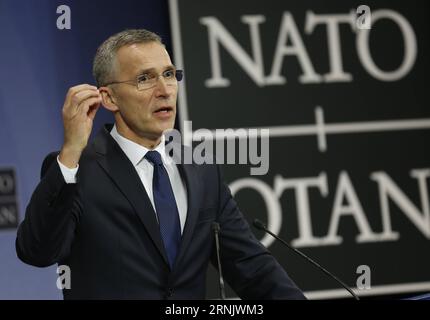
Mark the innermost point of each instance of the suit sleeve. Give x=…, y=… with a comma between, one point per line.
x=46, y=234
x=248, y=266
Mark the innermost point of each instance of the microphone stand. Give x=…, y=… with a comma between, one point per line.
x=261, y=226
x=216, y=229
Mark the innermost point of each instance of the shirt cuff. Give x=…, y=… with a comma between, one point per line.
x=68, y=174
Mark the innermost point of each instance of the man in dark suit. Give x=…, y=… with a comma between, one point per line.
x=129, y=222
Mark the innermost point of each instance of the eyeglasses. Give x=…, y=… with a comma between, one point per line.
x=149, y=80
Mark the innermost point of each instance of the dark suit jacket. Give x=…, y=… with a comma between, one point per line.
x=105, y=229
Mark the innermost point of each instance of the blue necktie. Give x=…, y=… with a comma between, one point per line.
x=165, y=206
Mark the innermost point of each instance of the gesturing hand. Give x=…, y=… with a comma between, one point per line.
x=79, y=110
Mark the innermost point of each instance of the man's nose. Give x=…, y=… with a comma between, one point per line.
x=161, y=88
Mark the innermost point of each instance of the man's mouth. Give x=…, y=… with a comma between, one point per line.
x=163, y=110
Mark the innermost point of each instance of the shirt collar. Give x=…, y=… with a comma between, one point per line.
x=135, y=152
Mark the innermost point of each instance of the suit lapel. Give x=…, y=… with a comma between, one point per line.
x=190, y=175
x=116, y=164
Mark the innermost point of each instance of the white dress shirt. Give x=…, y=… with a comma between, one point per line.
x=136, y=154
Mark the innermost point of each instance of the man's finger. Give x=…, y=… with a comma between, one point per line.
x=86, y=104
x=93, y=110
x=76, y=89
x=83, y=95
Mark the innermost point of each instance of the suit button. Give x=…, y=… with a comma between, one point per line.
x=169, y=292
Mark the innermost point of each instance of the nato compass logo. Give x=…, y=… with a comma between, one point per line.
x=8, y=199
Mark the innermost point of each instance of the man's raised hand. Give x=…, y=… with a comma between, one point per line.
x=79, y=110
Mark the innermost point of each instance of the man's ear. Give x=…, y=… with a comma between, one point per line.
x=108, y=99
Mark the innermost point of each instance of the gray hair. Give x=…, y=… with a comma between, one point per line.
x=104, y=60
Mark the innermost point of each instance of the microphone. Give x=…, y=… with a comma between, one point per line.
x=216, y=228
x=261, y=226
